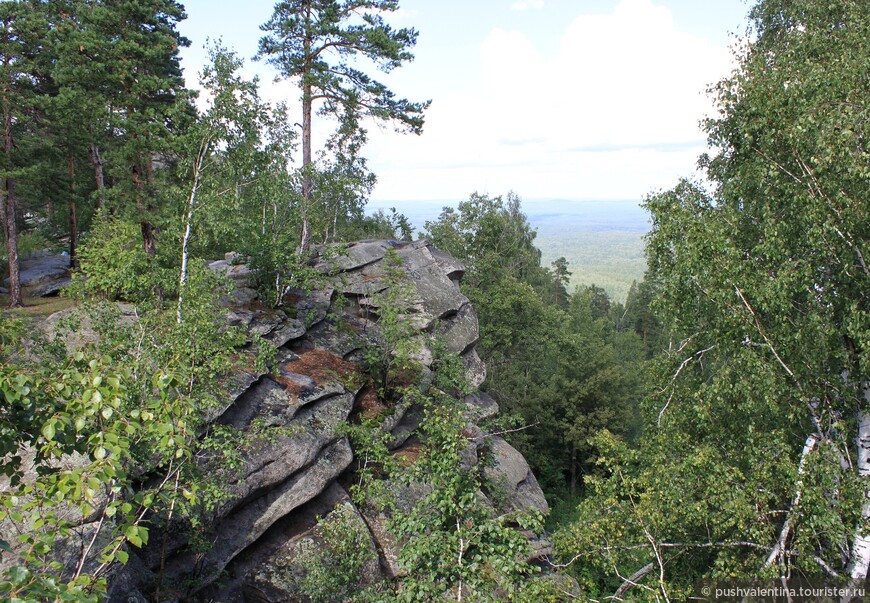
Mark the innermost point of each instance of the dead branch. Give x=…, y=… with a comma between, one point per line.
x=673, y=382
x=631, y=581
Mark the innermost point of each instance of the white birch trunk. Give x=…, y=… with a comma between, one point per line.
x=185, y=254
x=188, y=226
x=860, y=561
x=780, y=548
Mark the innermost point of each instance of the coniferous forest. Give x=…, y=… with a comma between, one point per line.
x=712, y=430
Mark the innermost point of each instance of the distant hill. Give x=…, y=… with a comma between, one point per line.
x=602, y=240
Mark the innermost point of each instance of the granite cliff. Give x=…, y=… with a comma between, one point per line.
x=254, y=542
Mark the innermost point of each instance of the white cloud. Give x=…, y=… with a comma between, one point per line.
x=401, y=17
x=527, y=4
x=624, y=79
x=612, y=113
x=603, y=105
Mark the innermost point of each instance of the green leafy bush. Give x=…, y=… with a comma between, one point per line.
x=126, y=402
x=113, y=263
x=335, y=571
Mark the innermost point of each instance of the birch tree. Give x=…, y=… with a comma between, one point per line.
x=226, y=131
x=794, y=159
x=234, y=166
x=754, y=462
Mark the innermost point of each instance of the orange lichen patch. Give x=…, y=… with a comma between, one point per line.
x=292, y=387
x=409, y=454
x=290, y=300
x=321, y=365
x=372, y=277
x=405, y=376
x=367, y=403
x=243, y=362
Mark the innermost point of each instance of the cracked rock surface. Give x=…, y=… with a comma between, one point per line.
x=294, y=456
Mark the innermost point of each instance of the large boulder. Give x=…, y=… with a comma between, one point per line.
x=509, y=473
x=433, y=305
x=44, y=273
x=281, y=575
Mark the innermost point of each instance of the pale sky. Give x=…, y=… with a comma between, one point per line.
x=559, y=99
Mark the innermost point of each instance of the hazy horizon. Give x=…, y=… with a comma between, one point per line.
x=601, y=239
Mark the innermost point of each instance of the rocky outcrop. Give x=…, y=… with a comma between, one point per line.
x=295, y=457
x=44, y=273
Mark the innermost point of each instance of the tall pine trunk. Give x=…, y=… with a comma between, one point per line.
x=8, y=212
x=8, y=209
x=99, y=177
x=305, y=241
x=149, y=243
x=149, y=240
x=73, y=227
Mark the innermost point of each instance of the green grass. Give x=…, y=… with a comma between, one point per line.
x=35, y=307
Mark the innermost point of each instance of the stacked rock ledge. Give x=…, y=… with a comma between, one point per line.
x=296, y=457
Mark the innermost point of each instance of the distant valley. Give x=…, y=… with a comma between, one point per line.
x=602, y=240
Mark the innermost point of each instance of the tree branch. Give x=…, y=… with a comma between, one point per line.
x=673, y=384
x=631, y=581
x=764, y=336
x=816, y=190
x=81, y=564
x=506, y=431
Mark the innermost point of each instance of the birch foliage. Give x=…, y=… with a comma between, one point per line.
x=750, y=462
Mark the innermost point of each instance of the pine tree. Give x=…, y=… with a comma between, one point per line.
x=125, y=53
x=21, y=44
x=317, y=41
